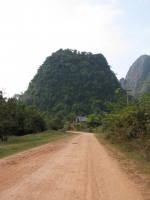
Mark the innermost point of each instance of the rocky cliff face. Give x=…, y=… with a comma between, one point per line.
x=138, y=76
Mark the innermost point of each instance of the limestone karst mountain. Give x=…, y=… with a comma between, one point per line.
x=72, y=81
x=138, y=77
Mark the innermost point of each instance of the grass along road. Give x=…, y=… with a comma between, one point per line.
x=17, y=144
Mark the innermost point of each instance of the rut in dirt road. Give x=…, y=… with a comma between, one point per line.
x=74, y=168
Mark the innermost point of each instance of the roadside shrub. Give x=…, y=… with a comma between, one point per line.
x=130, y=126
x=56, y=124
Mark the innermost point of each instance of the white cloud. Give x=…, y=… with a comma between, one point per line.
x=113, y=1
x=32, y=30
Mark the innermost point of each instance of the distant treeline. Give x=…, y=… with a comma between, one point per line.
x=18, y=119
x=127, y=125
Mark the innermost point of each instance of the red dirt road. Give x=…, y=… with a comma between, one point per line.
x=78, y=167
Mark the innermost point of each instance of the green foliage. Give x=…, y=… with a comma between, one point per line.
x=8, y=116
x=144, y=105
x=47, y=117
x=18, y=119
x=93, y=120
x=130, y=125
x=72, y=82
x=56, y=124
x=3, y=120
x=81, y=127
x=34, y=122
x=71, y=117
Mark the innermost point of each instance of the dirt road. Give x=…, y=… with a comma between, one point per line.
x=78, y=167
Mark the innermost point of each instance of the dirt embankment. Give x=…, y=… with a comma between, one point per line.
x=77, y=167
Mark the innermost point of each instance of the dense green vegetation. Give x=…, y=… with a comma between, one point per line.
x=129, y=125
x=72, y=82
x=18, y=119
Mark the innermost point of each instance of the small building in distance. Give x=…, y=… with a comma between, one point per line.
x=81, y=119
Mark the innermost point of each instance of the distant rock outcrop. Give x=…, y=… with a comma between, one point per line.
x=123, y=83
x=138, y=76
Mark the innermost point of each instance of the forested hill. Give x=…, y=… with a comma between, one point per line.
x=70, y=81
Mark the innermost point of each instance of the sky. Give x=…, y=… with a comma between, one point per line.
x=31, y=30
